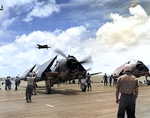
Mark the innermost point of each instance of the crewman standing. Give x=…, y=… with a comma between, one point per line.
x=127, y=84
x=29, y=88
x=16, y=82
x=105, y=79
x=88, y=81
x=110, y=79
x=8, y=83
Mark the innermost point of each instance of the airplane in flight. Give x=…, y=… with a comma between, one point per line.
x=64, y=70
x=138, y=69
x=42, y=46
x=1, y=7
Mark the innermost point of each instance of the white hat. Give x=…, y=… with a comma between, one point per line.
x=30, y=74
x=127, y=67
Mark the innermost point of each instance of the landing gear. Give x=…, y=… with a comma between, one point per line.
x=73, y=81
x=83, y=85
x=48, y=86
x=84, y=89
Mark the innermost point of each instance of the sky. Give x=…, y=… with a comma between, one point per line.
x=113, y=32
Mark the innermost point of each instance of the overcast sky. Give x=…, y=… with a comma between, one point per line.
x=111, y=31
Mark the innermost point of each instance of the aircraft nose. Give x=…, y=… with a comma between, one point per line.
x=72, y=64
x=142, y=68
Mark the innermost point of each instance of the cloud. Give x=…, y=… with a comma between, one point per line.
x=33, y=8
x=123, y=39
x=125, y=32
x=42, y=10
x=116, y=42
x=22, y=53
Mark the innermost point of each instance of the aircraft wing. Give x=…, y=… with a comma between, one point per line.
x=24, y=75
x=95, y=73
x=44, y=67
x=119, y=70
x=51, y=75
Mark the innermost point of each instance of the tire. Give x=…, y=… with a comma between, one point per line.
x=48, y=87
x=84, y=89
x=73, y=81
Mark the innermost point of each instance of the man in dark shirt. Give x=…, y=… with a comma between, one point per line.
x=105, y=79
x=88, y=81
x=16, y=82
x=110, y=79
x=7, y=83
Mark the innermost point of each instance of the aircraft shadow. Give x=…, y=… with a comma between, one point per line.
x=42, y=90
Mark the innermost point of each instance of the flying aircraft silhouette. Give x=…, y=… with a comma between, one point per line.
x=42, y=46
x=65, y=69
x=1, y=7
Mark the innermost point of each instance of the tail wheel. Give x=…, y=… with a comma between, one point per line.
x=48, y=87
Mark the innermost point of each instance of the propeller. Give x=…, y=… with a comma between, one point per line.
x=85, y=60
x=60, y=52
x=89, y=69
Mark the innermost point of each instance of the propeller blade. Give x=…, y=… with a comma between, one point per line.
x=89, y=69
x=60, y=52
x=86, y=60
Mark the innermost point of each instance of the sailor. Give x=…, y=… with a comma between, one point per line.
x=88, y=81
x=105, y=79
x=110, y=79
x=8, y=83
x=127, y=84
x=16, y=82
x=29, y=88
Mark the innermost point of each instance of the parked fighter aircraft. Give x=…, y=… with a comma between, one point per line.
x=138, y=70
x=66, y=69
x=42, y=46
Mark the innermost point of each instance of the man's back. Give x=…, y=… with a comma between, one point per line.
x=127, y=83
x=30, y=80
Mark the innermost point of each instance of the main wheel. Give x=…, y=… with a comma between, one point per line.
x=73, y=81
x=48, y=87
x=84, y=89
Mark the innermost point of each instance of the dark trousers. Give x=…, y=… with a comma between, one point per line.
x=29, y=90
x=16, y=84
x=126, y=103
x=110, y=82
x=89, y=86
x=105, y=82
x=7, y=86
